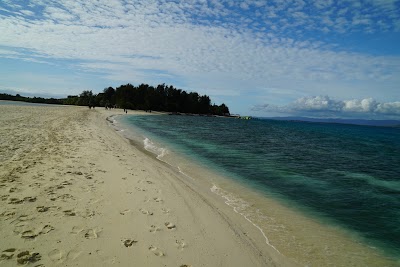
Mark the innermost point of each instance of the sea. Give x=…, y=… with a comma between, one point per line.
x=320, y=193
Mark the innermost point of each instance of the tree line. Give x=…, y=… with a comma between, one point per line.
x=143, y=97
x=39, y=100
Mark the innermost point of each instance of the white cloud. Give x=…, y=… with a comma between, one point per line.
x=324, y=105
x=27, y=12
x=187, y=48
x=317, y=103
x=364, y=105
x=389, y=108
x=208, y=44
x=244, y=5
x=58, y=14
x=9, y=53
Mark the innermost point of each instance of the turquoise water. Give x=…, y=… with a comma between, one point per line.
x=346, y=174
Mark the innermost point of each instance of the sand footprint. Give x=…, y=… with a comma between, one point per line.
x=144, y=211
x=56, y=256
x=88, y=213
x=29, y=199
x=165, y=211
x=42, y=209
x=76, y=230
x=69, y=212
x=38, y=185
x=154, y=229
x=19, y=227
x=50, y=193
x=140, y=189
x=7, y=254
x=27, y=257
x=73, y=254
x=124, y=212
x=65, y=183
x=24, y=218
x=29, y=234
x=129, y=242
x=170, y=226
x=156, y=251
x=180, y=244
x=7, y=214
x=158, y=200
x=92, y=234
x=15, y=201
x=13, y=190
x=46, y=229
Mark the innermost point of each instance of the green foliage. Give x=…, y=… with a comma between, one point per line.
x=71, y=100
x=86, y=98
x=144, y=97
x=40, y=100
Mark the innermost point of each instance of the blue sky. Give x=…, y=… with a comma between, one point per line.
x=319, y=58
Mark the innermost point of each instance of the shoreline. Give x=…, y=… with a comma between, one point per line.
x=309, y=234
x=213, y=189
x=189, y=183
x=76, y=193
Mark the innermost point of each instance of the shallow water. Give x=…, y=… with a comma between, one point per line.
x=345, y=176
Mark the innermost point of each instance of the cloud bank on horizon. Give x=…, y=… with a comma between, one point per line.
x=324, y=106
x=244, y=53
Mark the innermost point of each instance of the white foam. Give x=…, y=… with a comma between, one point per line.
x=112, y=119
x=180, y=170
x=239, y=206
x=151, y=147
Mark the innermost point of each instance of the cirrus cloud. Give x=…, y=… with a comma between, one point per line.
x=219, y=47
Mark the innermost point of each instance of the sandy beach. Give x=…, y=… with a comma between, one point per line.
x=74, y=192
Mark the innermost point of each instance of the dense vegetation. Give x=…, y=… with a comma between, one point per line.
x=31, y=99
x=145, y=97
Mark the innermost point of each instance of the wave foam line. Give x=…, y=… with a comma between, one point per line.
x=159, y=151
x=112, y=119
x=231, y=201
x=188, y=176
x=114, y=123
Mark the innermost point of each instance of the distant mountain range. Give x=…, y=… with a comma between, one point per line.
x=385, y=123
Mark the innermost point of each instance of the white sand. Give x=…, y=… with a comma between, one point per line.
x=75, y=193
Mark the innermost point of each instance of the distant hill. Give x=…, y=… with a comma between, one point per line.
x=384, y=123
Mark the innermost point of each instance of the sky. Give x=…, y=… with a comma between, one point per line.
x=320, y=58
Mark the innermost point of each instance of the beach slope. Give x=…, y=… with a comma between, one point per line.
x=74, y=192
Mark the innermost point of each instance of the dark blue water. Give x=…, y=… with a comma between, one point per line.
x=348, y=174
